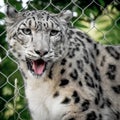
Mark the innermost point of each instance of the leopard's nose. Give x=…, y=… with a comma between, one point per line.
x=41, y=53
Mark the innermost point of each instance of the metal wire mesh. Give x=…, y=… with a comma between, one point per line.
x=12, y=98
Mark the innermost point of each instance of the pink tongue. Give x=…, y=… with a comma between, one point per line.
x=38, y=67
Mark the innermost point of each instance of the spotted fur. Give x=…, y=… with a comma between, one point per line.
x=82, y=78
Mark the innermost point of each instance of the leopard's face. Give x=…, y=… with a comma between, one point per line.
x=37, y=38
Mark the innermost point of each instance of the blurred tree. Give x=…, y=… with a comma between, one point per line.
x=99, y=18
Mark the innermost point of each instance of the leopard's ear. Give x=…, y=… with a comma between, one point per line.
x=66, y=15
x=11, y=14
x=10, y=11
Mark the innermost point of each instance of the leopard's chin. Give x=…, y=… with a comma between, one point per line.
x=36, y=67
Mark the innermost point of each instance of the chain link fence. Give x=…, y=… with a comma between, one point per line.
x=98, y=18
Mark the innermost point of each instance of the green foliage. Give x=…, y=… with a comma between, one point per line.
x=104, y=29
x=15, y=3
x=99, y=18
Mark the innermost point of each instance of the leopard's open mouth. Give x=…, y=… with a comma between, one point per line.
x=36, y=66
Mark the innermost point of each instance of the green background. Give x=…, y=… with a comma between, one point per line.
x=98, y=18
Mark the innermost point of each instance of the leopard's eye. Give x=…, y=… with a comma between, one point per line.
x=26, y=31
x=54, y=32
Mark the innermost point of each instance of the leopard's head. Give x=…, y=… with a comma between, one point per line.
x=37, y=37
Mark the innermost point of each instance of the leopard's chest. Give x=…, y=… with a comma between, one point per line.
x=37, y=103
x=41, y=103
